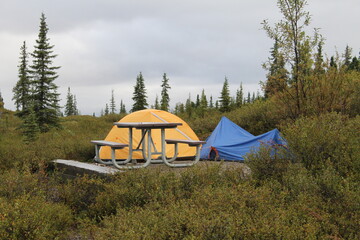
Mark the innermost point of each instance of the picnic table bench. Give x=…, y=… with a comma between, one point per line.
x=191, y=143
x=113, y=145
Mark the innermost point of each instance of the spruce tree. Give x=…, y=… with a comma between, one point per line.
x=355, y=64
x=189, y=106
x=139, y=95
x=122, y=107
x=197, y=103
x=112, y=103
x=225, y=97
x=305, y=68
x=232, y=103
x=211, y=104
x=248, y=98
x=319, y=59
x=43, y=74
x=347, y=56
x=76, y=110
x=239, y=96
x=106, y=109
x=69, y=106
x=22, y=89
x=203, y=100
x=179, y=108
x=1, y=107
x=1, y=102
x=333, y=63
x=258, y=95
x=165, y=99
x=203, y=104
x=277, y=75
x=30, y=127
x=157, y=105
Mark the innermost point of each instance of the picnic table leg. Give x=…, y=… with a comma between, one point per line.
x=163, y=150
x=147, y=158
x=97, y=155
x=113, y=156
x=98, y=159
x=196, y=159
x=130, y=147
x=168, y=163
x=163, y=145
x=143, y=133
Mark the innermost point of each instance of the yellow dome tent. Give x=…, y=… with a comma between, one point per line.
x=121, y=135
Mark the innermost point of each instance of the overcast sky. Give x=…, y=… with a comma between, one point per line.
x=102, y=45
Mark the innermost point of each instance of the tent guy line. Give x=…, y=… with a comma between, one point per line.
x=175, y=129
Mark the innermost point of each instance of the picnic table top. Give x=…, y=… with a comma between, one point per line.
x=140, y=125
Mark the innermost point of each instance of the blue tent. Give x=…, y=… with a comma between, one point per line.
x=230, y=142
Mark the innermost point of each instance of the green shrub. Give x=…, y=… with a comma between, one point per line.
x=30, y=217
x=258, y=117
x=145, y=186
x=135, y=189
x=79, y=194
x=111, y=118
x=341, y=199
x=70, y=142
x=205, y=125
x=330, y=137
x=298, y=180
x=268, y=162
x=14, y=184
x=237, y=212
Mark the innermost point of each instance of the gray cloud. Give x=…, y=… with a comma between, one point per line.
x=103, y=45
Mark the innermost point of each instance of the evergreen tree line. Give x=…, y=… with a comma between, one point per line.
x=225, y=103
x=140, y=98
x=202, y=104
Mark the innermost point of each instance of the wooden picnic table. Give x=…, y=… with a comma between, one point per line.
x=146, y=143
